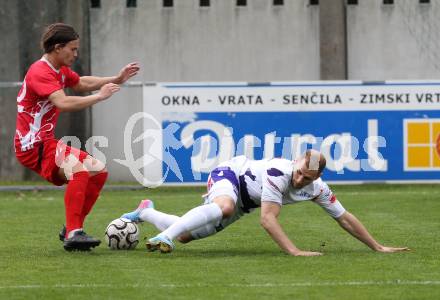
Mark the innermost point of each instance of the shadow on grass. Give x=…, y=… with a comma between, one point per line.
x=225, y=252
x=188, y=251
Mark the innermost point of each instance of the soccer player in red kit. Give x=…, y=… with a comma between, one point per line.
x=39, y=102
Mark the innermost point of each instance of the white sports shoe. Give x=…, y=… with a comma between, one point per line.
x=161, y=243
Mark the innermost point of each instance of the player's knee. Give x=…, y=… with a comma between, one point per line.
x=226, y=204
x=79, y=167
x=228, y=209
x=103, y=171
x=100, y=167
x=94, y=166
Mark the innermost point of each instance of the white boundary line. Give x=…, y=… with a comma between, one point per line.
x=231, y=285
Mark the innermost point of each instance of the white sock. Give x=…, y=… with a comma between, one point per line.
x=204, y=231
x=72, y=232
x=159, y=219
x=193, y=219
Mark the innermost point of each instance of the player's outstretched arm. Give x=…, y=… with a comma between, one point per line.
x=93, y=83
x=353, y=226
x=74, y=103
x=269, y=221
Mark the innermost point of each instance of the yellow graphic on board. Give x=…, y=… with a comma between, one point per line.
x=422, y=146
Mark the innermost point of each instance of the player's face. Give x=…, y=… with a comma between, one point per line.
x=302, y=176
x=68, y=53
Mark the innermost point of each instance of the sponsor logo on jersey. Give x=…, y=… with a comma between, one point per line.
x=304, y=194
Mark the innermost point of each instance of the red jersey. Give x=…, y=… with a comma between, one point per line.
x=37, y=116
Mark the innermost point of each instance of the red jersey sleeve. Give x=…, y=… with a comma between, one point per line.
x=72, y=78
x=44, y=84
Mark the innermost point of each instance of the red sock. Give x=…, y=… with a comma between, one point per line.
x=94, y=187
x=74, y=199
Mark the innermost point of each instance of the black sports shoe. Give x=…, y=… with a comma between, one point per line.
x=80, y=241
x=62, y=234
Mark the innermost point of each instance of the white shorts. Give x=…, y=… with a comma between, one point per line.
x=222, y=181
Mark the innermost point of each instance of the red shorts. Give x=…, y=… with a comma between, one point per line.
x=45, y=159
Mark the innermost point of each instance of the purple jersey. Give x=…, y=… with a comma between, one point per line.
x=271, y=180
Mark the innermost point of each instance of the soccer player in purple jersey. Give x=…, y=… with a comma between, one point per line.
x=238, y=186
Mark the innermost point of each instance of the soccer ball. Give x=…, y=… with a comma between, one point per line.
x=122, y=234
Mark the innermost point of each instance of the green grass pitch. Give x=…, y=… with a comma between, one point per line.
x=241, y=262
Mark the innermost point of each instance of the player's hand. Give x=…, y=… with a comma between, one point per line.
x=385, y=249
x=307, y=253
x=107, y=90
x=127, y=72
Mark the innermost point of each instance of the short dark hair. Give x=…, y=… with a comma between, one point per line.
x=322, y=160
x=57, y=33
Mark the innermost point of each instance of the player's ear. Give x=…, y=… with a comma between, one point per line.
x=58, y=47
